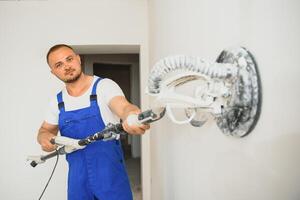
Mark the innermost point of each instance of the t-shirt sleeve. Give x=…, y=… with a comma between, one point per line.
x=51, y=114
x=109, y=89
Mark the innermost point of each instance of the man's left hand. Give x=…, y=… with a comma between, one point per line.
x=135, y=129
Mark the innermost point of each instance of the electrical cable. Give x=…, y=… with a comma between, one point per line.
x=50, y=175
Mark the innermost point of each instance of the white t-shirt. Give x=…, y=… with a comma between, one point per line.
x=106, y=90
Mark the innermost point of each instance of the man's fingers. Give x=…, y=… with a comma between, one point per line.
x=145, y=126
x=47, y=146
x=133, y=129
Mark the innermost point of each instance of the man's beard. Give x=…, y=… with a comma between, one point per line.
x=72, y=79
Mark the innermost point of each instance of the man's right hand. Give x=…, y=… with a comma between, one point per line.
x=46, y=133
x=46, y=144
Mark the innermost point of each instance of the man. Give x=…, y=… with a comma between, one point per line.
x=82, y=108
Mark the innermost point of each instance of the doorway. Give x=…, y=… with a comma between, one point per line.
x=124, y=70
x=119, y=73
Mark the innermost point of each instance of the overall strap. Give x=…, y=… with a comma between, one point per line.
x=61, y=104
x=93, y=96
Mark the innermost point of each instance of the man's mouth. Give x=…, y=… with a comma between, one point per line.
x=69, y=72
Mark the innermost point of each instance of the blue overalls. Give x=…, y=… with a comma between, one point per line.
x=96, y=172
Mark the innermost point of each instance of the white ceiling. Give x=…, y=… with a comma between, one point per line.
x=106, y=49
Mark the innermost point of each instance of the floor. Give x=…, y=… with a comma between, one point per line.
x=134, y=173
x=133, y=166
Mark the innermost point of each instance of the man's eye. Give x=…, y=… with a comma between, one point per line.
x=58, y=65
x=70, y=59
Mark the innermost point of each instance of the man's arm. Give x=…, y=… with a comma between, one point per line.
x=46, y=133
x=122, y=108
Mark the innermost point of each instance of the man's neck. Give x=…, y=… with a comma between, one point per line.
x=80, y=86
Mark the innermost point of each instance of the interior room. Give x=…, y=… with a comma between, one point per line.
x=201, y=155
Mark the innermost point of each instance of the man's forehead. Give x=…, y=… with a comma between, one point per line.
x=60, y=54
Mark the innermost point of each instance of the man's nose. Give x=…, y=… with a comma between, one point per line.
x=67, y=66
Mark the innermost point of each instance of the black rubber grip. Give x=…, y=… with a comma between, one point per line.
x=144, y=114
x=52, y=141
x=33, y=164
x=83, y=142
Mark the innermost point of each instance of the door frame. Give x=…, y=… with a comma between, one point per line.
x=143, y=52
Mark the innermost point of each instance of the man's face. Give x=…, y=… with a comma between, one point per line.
x=65, y=64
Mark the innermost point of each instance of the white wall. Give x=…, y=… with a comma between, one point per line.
x=201, y=163
x=27, y=30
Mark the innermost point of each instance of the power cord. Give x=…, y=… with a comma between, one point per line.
x=50, y=175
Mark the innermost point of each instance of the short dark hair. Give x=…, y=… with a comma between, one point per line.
x=55, y=47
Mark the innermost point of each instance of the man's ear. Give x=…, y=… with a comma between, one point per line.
x=79, y=59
